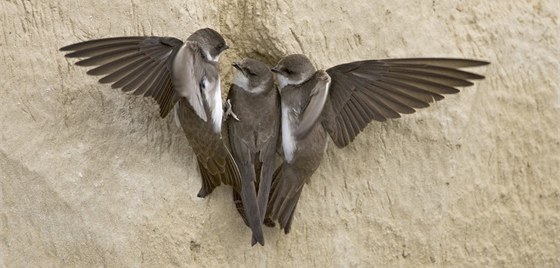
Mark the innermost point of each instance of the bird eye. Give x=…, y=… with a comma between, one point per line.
x=222, y=46
x=249, y=72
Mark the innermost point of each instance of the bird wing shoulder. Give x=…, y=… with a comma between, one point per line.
x=317, y=99
x=188, y=76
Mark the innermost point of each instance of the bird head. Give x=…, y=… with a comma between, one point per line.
x=252, y=75
x=211, y=43
x=293, y=70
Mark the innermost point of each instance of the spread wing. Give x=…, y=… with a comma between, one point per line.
x=314, y=109
x=141, y=65
x=369, y=90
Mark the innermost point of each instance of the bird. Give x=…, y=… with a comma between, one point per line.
x=340, y=102
x=180, y=76
x=254, y=134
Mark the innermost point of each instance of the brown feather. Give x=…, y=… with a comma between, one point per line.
x=377, y=90
x=102, y=42
x=134, y=64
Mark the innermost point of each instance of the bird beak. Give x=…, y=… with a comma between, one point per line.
x=226, y=47
x=275, y=70
x=236, y=65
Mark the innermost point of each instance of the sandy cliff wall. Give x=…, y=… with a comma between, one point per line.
x=89, y=176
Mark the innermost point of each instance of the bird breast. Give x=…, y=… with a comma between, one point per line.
x=214, y=100
x=288, y=140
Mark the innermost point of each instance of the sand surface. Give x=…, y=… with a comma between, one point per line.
x=93, y=177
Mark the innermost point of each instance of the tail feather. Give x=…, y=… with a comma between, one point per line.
x=273, y=192
x=251, y=209
x=288, y=224
x=239, y=206
x=285, y=215
x=232, y=176
x=209, y=182
x=247, y=204
x=281, y=207
x=258, y=237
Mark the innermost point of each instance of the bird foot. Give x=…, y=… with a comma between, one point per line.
x=229, y=111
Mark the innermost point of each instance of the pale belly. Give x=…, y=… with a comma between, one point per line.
x=288, y=140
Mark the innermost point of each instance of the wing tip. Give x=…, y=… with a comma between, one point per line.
x=77, y=46
x=442, y=61
x=163, y=112
x=84, y=63
x=67, y=48
x=482, y=62
x=73, y=54
x=471, y=62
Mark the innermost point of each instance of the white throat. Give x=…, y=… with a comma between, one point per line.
x=210, y=58
x=284, y=81
x=243, y=82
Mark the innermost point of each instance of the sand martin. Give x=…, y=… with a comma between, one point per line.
x=340, y=102
x=254, y=136
x=183, y=76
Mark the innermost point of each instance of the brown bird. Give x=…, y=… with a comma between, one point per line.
x=340, y=102
x=254, y=135
x=180, y=75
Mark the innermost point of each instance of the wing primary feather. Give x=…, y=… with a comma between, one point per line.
x=167, y=98
x=170, y=98
x=167, y=83
x=122, y=72
x=438, y=79
x=147, y=78
x=94, y=51
x=386, y=109
x=114, y=55
x=349, y=122
x=441, y=62
x=157, y=84
x=409, y=90
x=101, y=42
x=117, y=64
x=436, y=70
x=128, y=78
x=147, y=85
x=349, y=125
x=341, y=134
x=143, y=73
x=424, y=85
x=358, y=114
x=346, y=131
x=403, y=99
x=107, y=57
x=390, y=103
x=375, y=107
x=161, y=89
x=364, y=101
